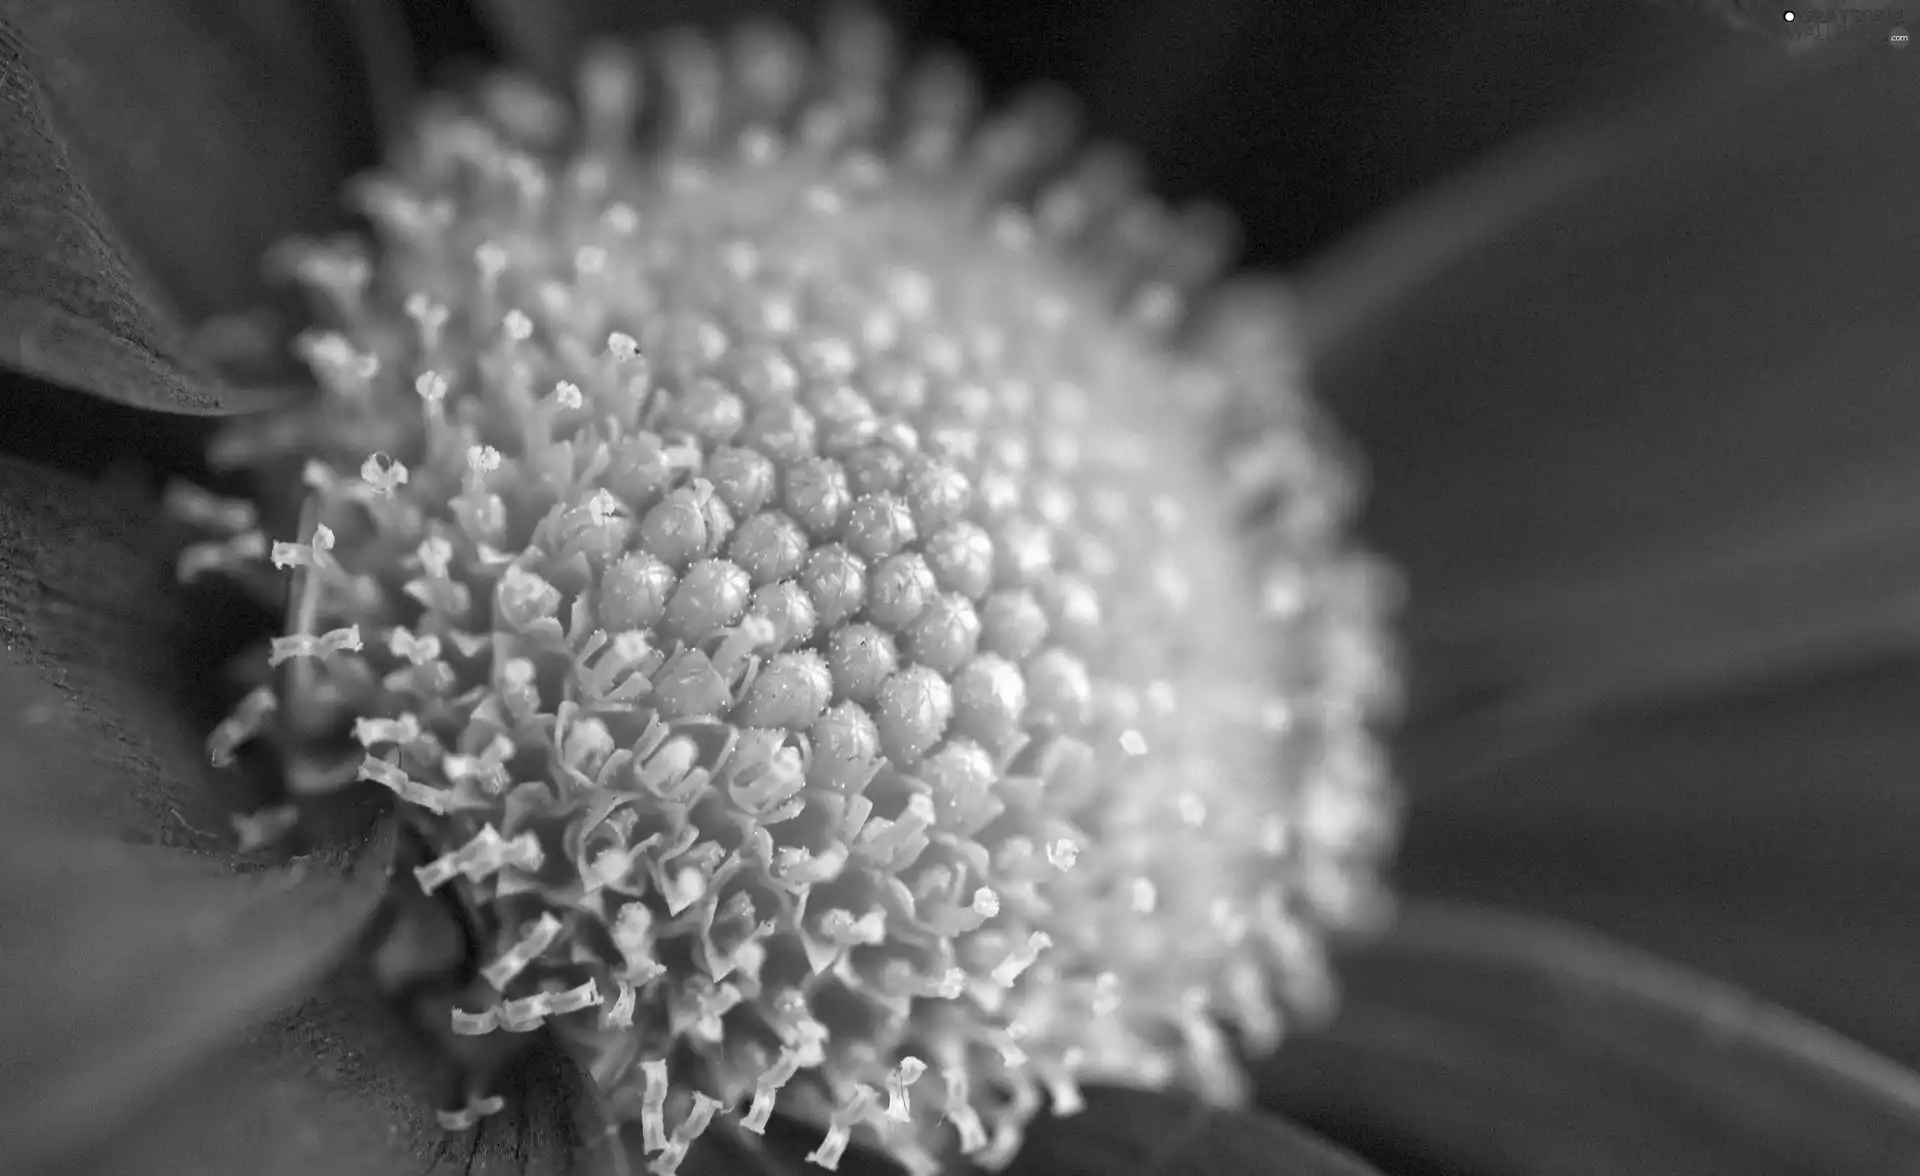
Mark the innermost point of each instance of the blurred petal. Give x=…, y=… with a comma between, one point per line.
x=1305, y=125
x=1641, y=404
x=341, y=1085
x=1767, y=839
x=1162, y=1134
x=130, y=941
x=154, y=150
x=1478, y=1042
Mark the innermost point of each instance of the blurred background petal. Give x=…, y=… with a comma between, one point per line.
x=1306, y=120
x=154, y=150
x=1764, y=837
x=341, y=1085
x=1151, y=1134
x=131, y=940
x=1641, y=413
x=1652, y=430
x=1478, y=1042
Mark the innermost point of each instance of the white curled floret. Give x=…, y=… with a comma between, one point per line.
x=572, y=1000
x=314, y=554
x=699, y=1116
x=383, y=475
x=767, y=1088
x=487, y=770
x=402, y=642
x=390, y=775
x=653, y=1105
x=482, y=460
x=324, y=645
x=478, y=1024
x=1021, y=958
x=435, y=554
x=909, y=1071
x=432, y=389
x=1005, y=1042
x=949, y=985
x=959, y=1110
x=619, y=1014
x=485, y=854
x=515, y=959
x=525, y=1014
x=528, y=1012
x=1062, y=1089
x=859, y=1107
x=371, y=731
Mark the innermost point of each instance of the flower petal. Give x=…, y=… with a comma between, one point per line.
x=130, y=940
x=1766, y=839
x=341, y=1084
x=1305, y=124
x=1161, y=1134
x=1474, y=1041
x=1641, y=405
x=155, y=150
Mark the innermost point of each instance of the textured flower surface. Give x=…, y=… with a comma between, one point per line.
x=858, y=624
x=1633, y=395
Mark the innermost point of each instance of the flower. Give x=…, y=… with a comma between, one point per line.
x=162, y=959
x=817, y=620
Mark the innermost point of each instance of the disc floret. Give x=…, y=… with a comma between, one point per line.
x=864, y=632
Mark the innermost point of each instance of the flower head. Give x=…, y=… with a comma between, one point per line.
x=859, y=625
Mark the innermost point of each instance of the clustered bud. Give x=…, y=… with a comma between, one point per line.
x=868, y=632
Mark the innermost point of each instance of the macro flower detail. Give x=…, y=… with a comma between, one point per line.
x=859, y=623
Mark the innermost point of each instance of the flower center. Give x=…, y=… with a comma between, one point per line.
x=858, y=634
